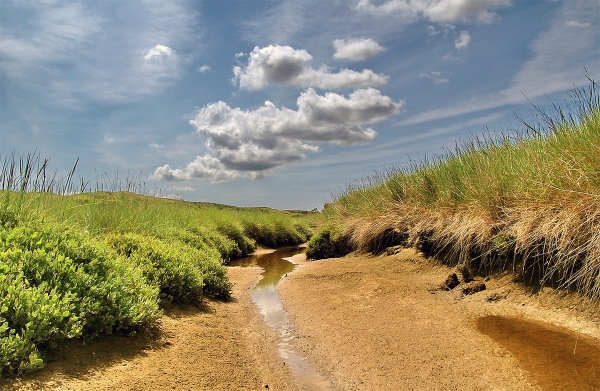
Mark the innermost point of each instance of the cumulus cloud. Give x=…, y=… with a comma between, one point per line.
x=253, y=143
x=356, y=49
x=463, y=40
x=437, y=11
x=286, y=65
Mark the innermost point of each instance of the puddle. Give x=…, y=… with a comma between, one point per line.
x=267, y=300
x=557, y=359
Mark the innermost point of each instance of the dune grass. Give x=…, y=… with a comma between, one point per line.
x=527, y=202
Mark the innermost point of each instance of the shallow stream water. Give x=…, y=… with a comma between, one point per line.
x=275, y=266
x=556, y=358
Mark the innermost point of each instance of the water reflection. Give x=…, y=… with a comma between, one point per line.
x=267, y=300
x=273, y=264
x=556, y=358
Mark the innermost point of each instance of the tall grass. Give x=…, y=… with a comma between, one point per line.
x=528, y=201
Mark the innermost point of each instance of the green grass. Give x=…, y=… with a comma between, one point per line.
x=85, y=264
x=528, y=202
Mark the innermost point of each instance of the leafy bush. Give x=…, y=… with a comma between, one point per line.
x=181, y=272
x=329, y=242
x=234, y=231
x=56, y=283
x=205, y=239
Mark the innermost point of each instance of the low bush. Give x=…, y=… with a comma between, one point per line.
x=56, y=283
x=182, y=273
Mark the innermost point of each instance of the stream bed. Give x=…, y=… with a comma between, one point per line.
x=275, y=266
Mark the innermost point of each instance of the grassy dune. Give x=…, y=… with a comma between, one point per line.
x=528, y=202
x=82, y=265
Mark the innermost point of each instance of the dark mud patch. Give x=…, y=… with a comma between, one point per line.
x=556, y=359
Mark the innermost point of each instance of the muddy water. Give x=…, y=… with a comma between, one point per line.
x=557, y=359
x=267, y=300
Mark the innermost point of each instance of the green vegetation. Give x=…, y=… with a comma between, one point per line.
x=81, y=265
x=528, y=202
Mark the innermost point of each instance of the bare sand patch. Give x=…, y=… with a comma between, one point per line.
x=382, y=323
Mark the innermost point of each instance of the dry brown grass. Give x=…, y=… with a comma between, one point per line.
x=529, y=204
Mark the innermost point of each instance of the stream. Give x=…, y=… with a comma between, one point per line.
x=275, y=266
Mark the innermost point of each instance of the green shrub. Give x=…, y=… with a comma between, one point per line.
x=56, y=283
x=182, y=273
x=203, y=238
x=329, y=242
x=233, y=230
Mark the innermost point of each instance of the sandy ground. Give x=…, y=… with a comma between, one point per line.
x=381, y=323
x=366, y=323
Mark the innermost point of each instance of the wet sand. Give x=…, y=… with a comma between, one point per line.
x=365, y=323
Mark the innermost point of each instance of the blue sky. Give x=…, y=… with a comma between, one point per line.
x=277, y=103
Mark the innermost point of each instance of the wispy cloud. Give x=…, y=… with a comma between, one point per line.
x=78, y=50
x=437, y=11
x=181, y=188
x=286, y=65
x=436, y=76
x=204, y=68
x=356, y=49
x=577, y=24
x=559, y=57
x=463, y=40
x=252, y=143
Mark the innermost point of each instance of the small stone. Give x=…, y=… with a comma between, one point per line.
x=473, y=288
x=451, y=282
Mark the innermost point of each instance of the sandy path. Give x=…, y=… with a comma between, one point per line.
x=377, y=323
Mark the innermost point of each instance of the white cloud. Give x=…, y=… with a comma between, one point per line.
x=356, y=49
x=253, y=143
x=437, y=11
x=204, y=68
x=158, y=54
x=182, y=188
x=156, y=145
x=463, y=40
x=435, y=76
x=286, y=65
x=576, y=24
x=108, y=138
